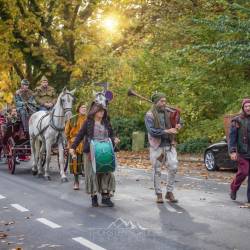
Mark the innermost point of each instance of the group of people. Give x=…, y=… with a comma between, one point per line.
x=94, y=124
x=27, y=101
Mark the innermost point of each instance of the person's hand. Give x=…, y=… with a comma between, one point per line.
x=50, y=104
x=178, y=126
x=116, y=140
x=72, y=153
x=171, y=131
x=233, y=156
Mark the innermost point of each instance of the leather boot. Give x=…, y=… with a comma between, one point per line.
x=233, y=195
x=170, y=196
x=159, y=198
x=94, y=201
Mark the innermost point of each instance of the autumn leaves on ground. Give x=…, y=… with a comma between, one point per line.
x=188, y=165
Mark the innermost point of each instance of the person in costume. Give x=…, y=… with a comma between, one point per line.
x=25, y=104
x=72, y=128
x=97, y=127
x=161, y=137
x=45, y=95
x=239, y=148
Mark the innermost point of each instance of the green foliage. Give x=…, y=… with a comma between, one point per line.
x=124, y=127
x=197, y=52
x=197, y=145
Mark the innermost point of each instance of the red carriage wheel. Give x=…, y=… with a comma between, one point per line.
x=11, y=155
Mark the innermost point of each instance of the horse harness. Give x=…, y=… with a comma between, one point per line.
x=51, y=122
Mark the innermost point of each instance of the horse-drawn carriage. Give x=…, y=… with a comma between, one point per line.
x=14, y=143
x=46, y=129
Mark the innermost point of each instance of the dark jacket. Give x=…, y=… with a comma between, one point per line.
x=239, y=136
x=86, y=133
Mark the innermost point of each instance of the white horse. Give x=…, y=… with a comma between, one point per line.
x=46, y=129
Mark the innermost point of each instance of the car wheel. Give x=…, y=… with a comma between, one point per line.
x=209, y=160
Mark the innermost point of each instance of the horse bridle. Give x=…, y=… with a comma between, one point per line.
x=65, y=110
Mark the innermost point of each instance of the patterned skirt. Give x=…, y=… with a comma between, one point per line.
x=76, y=166
x=97, y=183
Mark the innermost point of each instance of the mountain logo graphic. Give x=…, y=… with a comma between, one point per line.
x=122, y=224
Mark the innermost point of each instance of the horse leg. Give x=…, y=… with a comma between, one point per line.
x=40, y=161
x=38, y=146
x=61, y=162
x=33, y=155
x=47, y=161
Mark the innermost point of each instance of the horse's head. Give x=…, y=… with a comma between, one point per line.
x=100, y=98
x=66, y=101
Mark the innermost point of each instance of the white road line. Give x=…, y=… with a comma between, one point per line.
x=48, y=223
x=88, y=243
x=193, y=178
x=2, y=197
x=19, y=207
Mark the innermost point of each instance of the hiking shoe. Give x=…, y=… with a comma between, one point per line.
x=107, y=201
x=159, y=198
x=170, y=196
x=94, y=201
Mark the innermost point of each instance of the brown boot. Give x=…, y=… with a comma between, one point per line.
x=159, y=198
x=170, y=196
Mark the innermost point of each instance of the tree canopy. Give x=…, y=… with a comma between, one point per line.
x=197, y=51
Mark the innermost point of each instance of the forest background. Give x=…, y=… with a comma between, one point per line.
x=196, y=51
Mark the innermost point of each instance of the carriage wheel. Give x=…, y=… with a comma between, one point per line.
x=11, y=156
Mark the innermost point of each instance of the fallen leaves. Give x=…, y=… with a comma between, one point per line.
x=3, y=235
x=9, y=223
x=190, y=165
x=246, y=205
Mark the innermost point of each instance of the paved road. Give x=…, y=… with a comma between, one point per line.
x=36, y=214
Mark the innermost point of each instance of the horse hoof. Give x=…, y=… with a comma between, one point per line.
x=64, y=179
x=47, y=178
x=34, y=172
x=40, y=175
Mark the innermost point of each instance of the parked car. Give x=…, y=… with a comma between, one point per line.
x=216, y=156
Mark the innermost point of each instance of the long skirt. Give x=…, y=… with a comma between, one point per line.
x=76, y=166
x=98, y=182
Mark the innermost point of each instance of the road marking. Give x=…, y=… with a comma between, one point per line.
x=48, y=223
x=19, y=207
x=193, y=178
x=88, y=243
x=2, y=197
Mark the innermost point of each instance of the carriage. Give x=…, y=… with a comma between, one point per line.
x=14, y=143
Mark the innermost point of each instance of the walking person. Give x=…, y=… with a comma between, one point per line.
x=161, y=137
x=239, y=148
x=72, y=128
x=96, y=127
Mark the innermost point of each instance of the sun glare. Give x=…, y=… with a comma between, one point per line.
x=110, y=23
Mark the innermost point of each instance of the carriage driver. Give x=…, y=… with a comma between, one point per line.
x=45, y=95
x=25, y=103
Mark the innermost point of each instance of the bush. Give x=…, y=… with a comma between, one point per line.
x=124, y=127
x=193, y=145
